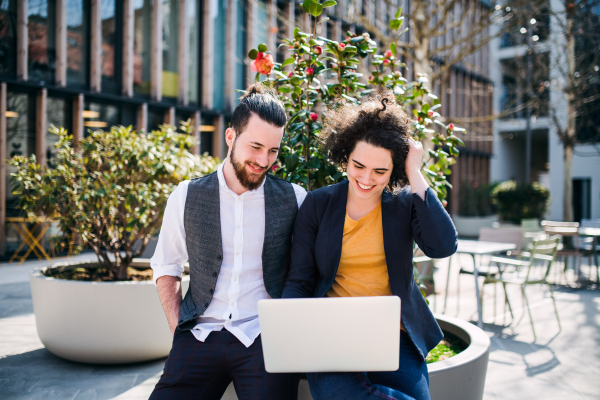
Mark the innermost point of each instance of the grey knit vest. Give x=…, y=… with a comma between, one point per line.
x=202, y=223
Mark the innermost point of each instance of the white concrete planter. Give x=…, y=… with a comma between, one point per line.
x=461, y=377
x=100, y=322
x=470, y=226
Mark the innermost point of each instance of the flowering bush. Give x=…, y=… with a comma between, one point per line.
x=323, y=71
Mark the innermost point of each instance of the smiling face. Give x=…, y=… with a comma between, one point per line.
x=369, y=170
x=253, y=152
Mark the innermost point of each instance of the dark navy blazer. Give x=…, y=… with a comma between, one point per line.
x=317, y=248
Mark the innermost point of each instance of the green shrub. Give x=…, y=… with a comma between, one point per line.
x=111, y=192
x=515, y=201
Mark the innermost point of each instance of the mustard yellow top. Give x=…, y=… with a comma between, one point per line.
x=363, y=269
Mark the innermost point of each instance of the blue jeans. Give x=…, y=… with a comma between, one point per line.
x=409, y=382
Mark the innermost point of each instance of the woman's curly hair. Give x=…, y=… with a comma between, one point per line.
x=379, y=121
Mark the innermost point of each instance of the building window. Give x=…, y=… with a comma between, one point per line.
x=20, y=129
x=193, y=15
x=141, y=47
x=58, y=113
x=41, y=28
x=515, y=93
x=77, y=43
x=100, y=116
x=219, y=55
x=170, y=41
x=156, y=117
x=8, y=37
x=111, y=55
x=207, y=130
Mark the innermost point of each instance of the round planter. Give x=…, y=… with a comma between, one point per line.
x=461, y=377
x=470, y=226
x=100, y=322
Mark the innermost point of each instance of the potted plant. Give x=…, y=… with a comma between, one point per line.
x=518, y=200
x=475, y=209
x=109, y=195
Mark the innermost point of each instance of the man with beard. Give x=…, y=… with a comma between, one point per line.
x=234, y=227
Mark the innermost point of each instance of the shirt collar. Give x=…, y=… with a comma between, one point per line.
x=223, y=183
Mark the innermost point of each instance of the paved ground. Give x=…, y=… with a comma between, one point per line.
x=558, y=365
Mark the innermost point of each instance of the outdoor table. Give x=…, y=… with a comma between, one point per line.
x=594, y=233
x=478, y=248
x=20, y=224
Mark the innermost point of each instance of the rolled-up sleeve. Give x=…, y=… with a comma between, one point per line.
x=171, y=253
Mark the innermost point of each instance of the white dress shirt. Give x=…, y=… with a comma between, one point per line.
x=240, y=282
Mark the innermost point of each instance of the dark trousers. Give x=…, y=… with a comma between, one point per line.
x=203, y=370
x=409, y=382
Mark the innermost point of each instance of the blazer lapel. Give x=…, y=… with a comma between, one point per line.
x=336, y=228
x=391, y=243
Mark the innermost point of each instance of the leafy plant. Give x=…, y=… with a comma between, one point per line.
x=111, y=191
x=515, y=201
x=324, y=72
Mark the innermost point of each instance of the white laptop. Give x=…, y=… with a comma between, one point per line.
x=339, y=334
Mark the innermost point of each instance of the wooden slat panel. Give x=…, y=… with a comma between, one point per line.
x=22, y=39
x=156, y=64
x=291, y=24
x=170, y=116
x=128, y=41
x=208, y=45
x=183, y=54
x=60, y=75
x=142, y=117
x=219, y=144
x=41, y=126
x=96, y=47
x=78, y=119
x=196, y=124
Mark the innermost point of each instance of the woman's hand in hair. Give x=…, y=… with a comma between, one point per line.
x=414, y=162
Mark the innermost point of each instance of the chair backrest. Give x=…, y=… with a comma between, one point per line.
x=512, y=235
x=590, y=223
x=560, y=224
x=530, y=224
x=543, y=250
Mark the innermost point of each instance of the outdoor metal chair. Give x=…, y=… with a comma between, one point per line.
x=513, y=235
x=568, y=248
x=530, y=270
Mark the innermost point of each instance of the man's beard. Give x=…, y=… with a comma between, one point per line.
x=243, y=175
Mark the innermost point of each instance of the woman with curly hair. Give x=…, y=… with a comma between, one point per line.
x=355, y=238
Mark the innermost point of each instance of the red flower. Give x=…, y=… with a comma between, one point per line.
x=371, y=79
x=444, y=203
x=386, y=61
x=430, y=113
x=260, y=55
x=341, y=47
x=309, y=71
x=388, y=54
x=291, y=74
x=275, y=167
x=451, y=127
x=334, y=66
x=263, y=65
x=348, y=38
x=318, y=50
x=313, y=117
x=420, y=119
